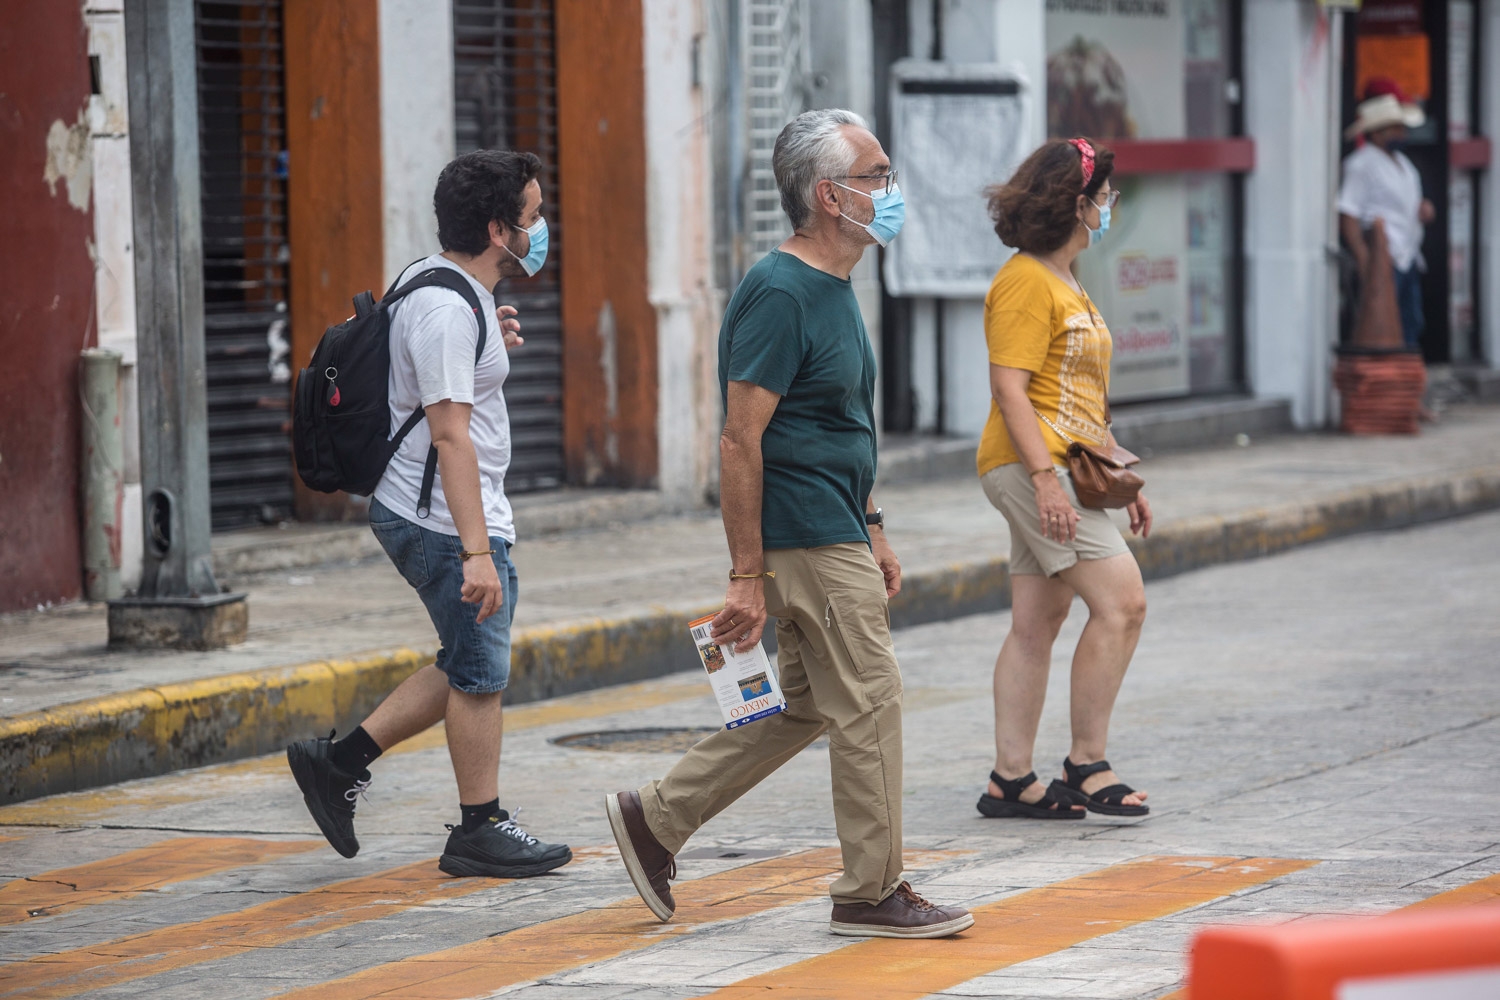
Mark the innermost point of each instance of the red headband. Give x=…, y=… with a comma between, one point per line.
x=1086, y=152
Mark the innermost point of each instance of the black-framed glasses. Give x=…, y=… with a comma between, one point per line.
x=889, y=178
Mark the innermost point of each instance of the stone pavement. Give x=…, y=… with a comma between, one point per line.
x=605, y=606
x=1317, y=731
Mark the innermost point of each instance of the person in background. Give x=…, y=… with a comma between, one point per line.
x=1380, y=182
x=806, y=542
x=1049, y=354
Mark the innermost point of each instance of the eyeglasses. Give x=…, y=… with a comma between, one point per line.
x=1114, y=196
x=889, y=178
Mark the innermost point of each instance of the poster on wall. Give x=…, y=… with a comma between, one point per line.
x=955, y=130
x=1115, y=71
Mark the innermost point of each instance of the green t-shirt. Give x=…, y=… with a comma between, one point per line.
x=797, y=331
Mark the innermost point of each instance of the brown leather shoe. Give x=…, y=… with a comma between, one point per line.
x=651, y=866
x=902, y=914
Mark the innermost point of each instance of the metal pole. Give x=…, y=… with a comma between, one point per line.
x=1328, y=413
x=179, y=603
x=103, y=474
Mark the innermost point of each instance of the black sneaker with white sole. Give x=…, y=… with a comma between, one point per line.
x=500, y=849
x=329, y=792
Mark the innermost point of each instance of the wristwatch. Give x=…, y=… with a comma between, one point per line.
x=876, y=519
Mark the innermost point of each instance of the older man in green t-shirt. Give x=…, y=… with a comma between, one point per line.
x=806, y=543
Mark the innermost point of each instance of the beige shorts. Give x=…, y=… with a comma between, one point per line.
x=1013, y=494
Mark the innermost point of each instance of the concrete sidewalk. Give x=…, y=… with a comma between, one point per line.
x=607, y=605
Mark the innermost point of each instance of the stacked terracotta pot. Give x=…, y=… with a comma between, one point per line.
x=1380, y=382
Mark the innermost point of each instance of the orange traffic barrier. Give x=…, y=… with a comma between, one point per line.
x=1425, y=955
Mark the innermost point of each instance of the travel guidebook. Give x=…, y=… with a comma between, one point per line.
x=744, y=683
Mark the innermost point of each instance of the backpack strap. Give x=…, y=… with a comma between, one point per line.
x=436, y=277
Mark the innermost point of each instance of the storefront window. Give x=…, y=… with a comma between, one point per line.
x=1157, y=71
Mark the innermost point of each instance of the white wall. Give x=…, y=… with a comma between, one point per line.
x=416, y=123
x=679, y=243
x=1287, y=208
x=114, y=258
x=1489, y=182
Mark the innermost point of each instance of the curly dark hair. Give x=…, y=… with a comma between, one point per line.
x=477, y=188
x=1036, y=210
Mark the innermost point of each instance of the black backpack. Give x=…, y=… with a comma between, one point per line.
x=341, y=415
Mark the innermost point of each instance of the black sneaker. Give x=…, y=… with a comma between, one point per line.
x=500, y=849
x=328, y=791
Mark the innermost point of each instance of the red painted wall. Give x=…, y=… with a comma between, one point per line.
x=47, y=306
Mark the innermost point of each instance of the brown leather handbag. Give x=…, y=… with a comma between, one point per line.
x=1102, y=478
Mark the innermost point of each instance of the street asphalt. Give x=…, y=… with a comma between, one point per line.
x=1318, y=731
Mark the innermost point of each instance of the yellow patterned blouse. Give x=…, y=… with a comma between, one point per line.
x=1034, y=321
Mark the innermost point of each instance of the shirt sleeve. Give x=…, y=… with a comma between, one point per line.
x=441, y=346
x=1353, y=196
x=768, y=342
x=1018, y=323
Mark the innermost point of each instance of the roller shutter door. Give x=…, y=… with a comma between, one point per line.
x=242, y=135
x=506, y=98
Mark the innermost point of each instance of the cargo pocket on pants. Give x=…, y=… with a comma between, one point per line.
x=863, y=621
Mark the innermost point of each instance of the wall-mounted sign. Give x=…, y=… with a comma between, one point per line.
x=955, y=130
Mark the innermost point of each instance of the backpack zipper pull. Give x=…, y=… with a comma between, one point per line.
x=331, y=373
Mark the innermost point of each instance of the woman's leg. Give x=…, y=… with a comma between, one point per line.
x=1116, y=599
x=1039, y=606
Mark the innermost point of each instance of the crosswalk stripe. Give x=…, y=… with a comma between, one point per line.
x=81, y=808
x=553, y=946
x=265, y=925
x=1025, y=926
x=140, y=870
x=1485, y=890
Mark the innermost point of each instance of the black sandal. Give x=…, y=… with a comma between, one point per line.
x=1108, y=801
x=1047, y=807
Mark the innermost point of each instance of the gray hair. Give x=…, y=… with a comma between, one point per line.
x=811, y=147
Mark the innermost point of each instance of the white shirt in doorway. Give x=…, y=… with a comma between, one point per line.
x=1381, y=185
x=433, y=335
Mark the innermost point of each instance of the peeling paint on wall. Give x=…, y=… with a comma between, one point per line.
x=70, y=159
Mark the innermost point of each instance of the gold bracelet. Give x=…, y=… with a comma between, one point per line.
x=465, y=556
x=769, y=574
x=1052, y=469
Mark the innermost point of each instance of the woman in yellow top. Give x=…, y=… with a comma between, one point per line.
x=1049, y=376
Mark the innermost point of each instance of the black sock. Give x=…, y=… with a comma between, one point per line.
x=477, y=816
x=354, y=752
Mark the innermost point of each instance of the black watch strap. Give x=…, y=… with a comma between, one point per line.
x=877, y=518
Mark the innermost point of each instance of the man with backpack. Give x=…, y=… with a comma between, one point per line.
x=439, y=509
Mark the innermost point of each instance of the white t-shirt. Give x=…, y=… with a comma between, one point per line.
x=433, y=335
x=1381, y=185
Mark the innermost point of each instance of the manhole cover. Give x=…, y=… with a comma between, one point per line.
x=652, y=740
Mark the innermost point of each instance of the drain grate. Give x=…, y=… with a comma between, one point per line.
x=649, y=740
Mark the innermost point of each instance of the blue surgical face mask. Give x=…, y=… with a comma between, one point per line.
x=537, y=255
x=1095, y=235
x=890, y=213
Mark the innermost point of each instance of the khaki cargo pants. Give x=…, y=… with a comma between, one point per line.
x=839, y=673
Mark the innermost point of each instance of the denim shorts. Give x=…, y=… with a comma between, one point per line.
x=475, y=656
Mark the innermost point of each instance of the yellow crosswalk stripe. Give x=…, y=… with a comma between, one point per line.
x=265, y=925
x=1485, y=890
x=141, y=870
x=1021, y=927
x=480, y=968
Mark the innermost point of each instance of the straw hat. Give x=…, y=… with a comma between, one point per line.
x=1381, y=112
